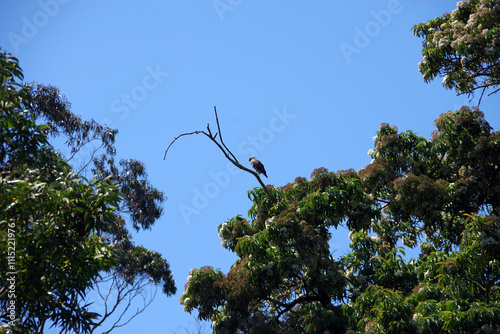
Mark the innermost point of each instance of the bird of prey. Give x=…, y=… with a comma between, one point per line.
x=258, y=166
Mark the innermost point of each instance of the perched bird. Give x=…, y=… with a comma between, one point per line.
x=258, y=166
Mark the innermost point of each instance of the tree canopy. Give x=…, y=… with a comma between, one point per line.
x=463, y=47
x=65, y=234
x=439, y=194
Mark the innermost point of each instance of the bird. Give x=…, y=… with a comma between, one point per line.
x=258, y=166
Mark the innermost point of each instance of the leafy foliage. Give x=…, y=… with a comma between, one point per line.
x=50, y=107
x=463, y=46
x=441, y=192
x=285, y=270
x=141, y=200
x=66, y=230
x=59, y=250
x=21, y=138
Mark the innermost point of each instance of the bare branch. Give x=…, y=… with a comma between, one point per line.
x=137, y=312
x=80, y=146
x=222, y=146
x=125, y=294
x=289, y=306
x=493, y=92
x=90, y=159
x=208, y=129
x=481, y=97
x=220, y=135
x=184, y=134
x=486, y=85
x=132, y=293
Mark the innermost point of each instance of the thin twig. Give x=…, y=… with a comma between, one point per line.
x=220, y=135
x=91, y=158
x=184, y=134
x=493, y=92
x=481, y=97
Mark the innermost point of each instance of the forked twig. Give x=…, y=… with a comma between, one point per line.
x=220, y=136
x=222, y=146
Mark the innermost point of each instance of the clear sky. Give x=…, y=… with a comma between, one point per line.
x=298, y=84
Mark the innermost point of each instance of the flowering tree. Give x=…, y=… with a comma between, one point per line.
x=463, y=46
x=442, y=191
x=441, y=194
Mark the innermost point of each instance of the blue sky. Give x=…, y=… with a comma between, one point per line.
x=298, y=84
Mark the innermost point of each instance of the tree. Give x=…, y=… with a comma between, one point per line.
x=64, y=234
x=463, y=47
x=441, y=192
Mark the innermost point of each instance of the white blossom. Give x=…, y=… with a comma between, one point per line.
x=349, y=274
x=463, y=61
x=470, y=22
x=443, y=42
x=223, y=229
x=446, y=79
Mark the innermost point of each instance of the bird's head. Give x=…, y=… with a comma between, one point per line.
x=250, y=159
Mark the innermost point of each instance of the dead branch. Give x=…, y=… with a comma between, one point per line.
x=186, y=134
x=220, y=136
x=119, y=292
x=222, y=146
